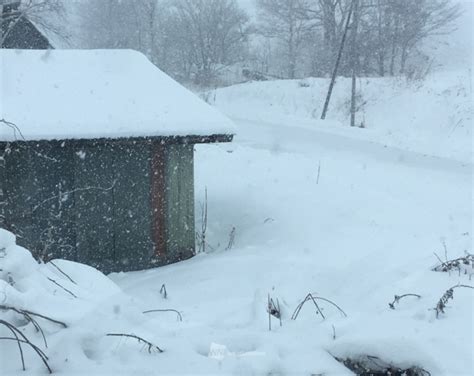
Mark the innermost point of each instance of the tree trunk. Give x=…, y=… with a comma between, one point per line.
x=329, y=32
x=394, y=46
x=381, y=64
x=291, y=53
x=403, y=59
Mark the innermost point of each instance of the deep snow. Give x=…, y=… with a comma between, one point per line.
x=358, y=234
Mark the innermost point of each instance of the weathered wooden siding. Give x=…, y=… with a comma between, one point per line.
x=94, y=199
x=37, y=206
x=179, y=173
x=158, y=201
x=116, y=205
x=113, y=206
x=133, y=242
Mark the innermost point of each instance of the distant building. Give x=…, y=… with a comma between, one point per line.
x=97, y=157
x=18, y=32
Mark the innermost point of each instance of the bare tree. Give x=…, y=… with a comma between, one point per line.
x=188, y=39
x=210, y=35
x=421, y=19
x=392, y=31
x=290, y=23
x=110, y=24
x=197, y=40
x=331, y=15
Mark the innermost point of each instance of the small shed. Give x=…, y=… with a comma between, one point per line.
x=17, y=30
x=96, y=157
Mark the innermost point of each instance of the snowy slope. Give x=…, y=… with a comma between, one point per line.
x=70, y=94
x=315, y=211
x=432, y=117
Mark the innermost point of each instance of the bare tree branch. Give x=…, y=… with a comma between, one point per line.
x=151, y=346
x=180, y=318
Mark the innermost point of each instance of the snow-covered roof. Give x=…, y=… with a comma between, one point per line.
x=56, y=41
x=85, y=94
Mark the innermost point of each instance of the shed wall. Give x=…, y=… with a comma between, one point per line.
x=179, y=215
x=93, y=203
x=37, y=207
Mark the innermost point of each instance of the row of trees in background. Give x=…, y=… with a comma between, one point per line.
x=213, y=42
x=192, y=40
x=389, y=34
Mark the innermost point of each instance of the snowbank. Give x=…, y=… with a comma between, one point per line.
x=69, y=94
x=433, y=117
x=75, y=294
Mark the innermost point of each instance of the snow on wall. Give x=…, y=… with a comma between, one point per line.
x=69, y=94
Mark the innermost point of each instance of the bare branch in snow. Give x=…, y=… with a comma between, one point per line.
x=459, y=264
x=298, y=308
x=273, y=310
x=180, y=318
x=62, y=272
x=16, y=337
x=231, y=239
x=14, y=127
x=319, y=172
x=313, y=298
x=163, y=291
x=449, y=294
x=59, y=285
x=30, y=313
x=201, y=235
x=151, y=347
x=397, y=298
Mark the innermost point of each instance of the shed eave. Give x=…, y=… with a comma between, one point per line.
x=174, y=139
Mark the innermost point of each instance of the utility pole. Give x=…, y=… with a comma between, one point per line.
x=354, y=60
x=338, y=60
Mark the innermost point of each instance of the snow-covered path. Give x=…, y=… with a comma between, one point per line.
x=308, y=138
x=361, y=233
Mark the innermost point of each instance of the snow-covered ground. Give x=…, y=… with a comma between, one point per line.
x=321, y=209
x=432, y=117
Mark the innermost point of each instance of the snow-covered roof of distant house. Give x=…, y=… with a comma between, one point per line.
x=85, y=94
x=56, y=40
